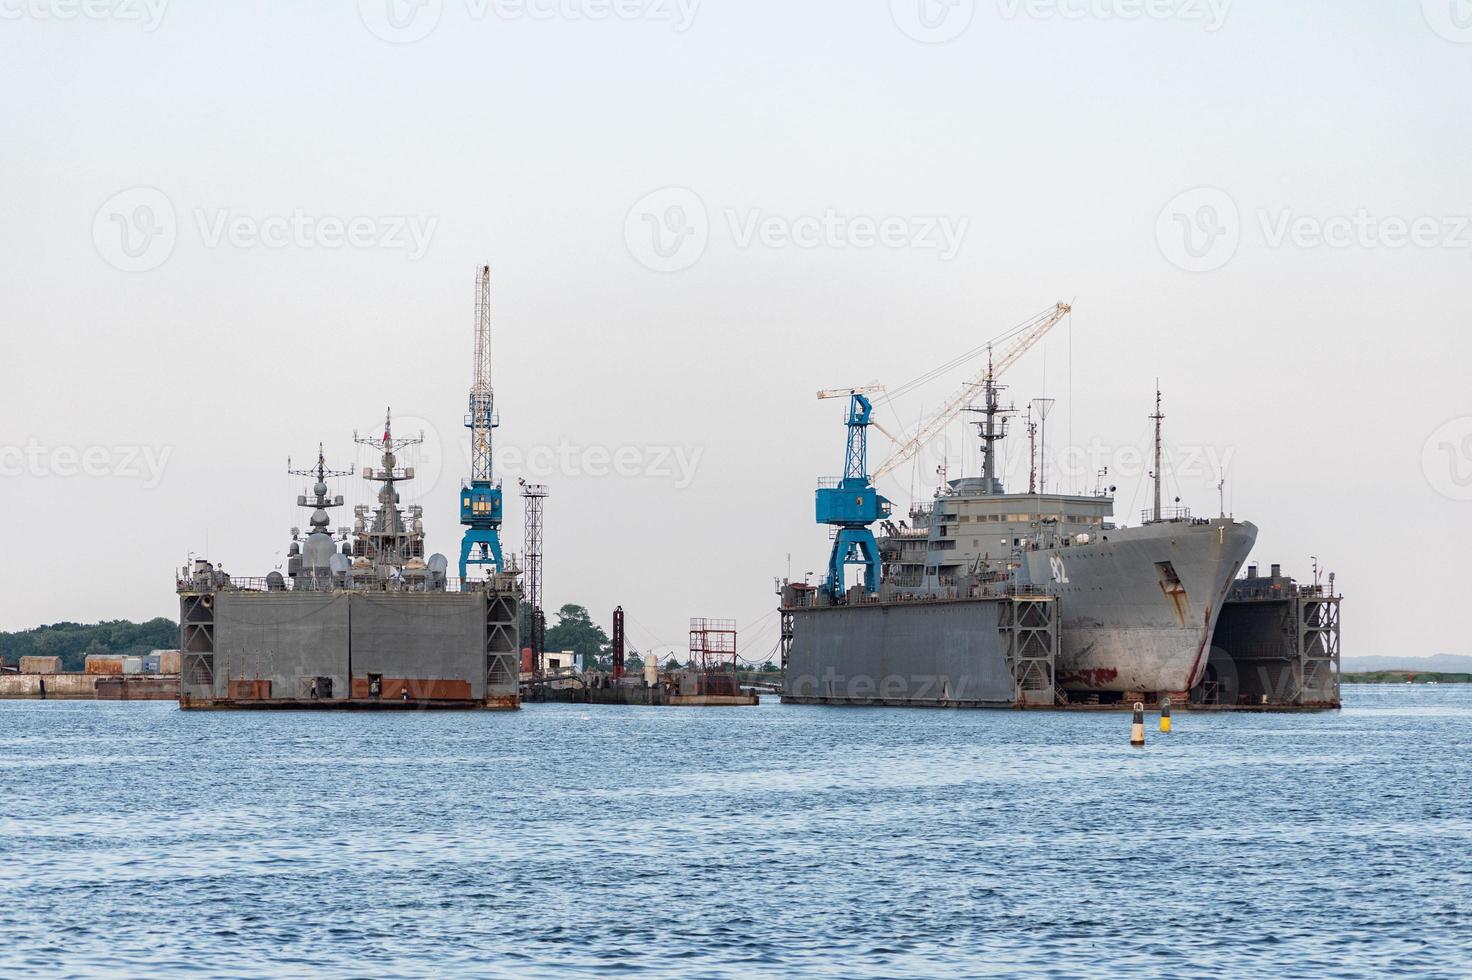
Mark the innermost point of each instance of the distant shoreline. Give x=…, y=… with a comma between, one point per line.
x=1405, y=677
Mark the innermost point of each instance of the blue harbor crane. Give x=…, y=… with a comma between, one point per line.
x=852, y=505
x=480, y=496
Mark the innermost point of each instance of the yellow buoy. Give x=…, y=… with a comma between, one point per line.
x=1165, y=715
x=1137, y=729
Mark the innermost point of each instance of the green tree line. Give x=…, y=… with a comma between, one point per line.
x=72, y=642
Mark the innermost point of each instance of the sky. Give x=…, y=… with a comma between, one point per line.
x=232, y=230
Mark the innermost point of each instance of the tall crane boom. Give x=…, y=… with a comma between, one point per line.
x=482, y=395
x=1031, y=332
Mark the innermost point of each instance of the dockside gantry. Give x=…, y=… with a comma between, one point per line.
x=851, y=505
x=481, y=504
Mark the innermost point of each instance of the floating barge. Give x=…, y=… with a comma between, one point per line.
x=712, y=682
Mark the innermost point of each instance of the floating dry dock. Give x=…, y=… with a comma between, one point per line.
x=1275, y=647
x=248, y=648
x=361, y=620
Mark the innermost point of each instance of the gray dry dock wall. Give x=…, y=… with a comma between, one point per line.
x=289, y=639
x=931, y=653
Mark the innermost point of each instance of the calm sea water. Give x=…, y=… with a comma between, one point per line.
x=776, y=840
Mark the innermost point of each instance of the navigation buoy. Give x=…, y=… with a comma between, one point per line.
x=1137, y=729
x=1165, y=715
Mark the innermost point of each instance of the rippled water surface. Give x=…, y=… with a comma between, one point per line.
x=776, y=840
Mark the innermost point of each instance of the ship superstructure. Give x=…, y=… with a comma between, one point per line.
x=1138, y=605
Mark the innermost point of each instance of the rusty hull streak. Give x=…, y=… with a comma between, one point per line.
x=1198, y=666
x=1180, y=602
x=1090, y=677
x=419, y=690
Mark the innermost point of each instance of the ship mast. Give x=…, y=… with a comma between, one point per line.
x=1158, y=418
x=992, y=430
x=1032, y=453
x=389, y=541
x=319, y=543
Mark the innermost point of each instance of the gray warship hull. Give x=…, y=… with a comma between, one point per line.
x=1139, y=606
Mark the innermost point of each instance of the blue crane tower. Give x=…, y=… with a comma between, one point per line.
x=480, y=496
x=853, y=504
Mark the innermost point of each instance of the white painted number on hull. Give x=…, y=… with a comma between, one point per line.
x=1060, y=574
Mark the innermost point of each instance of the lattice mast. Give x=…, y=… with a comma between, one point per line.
x=533, y=496
x=1157, y=418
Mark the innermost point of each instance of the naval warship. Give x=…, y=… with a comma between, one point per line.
x=361, y=618
x=1138, y=605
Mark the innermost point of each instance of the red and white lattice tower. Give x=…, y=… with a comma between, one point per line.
x=713, y=644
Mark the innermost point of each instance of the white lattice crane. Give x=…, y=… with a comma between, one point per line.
x=480, y=496
x=1027, y=335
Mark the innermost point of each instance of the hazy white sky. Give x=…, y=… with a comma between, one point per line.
x=231, y=230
